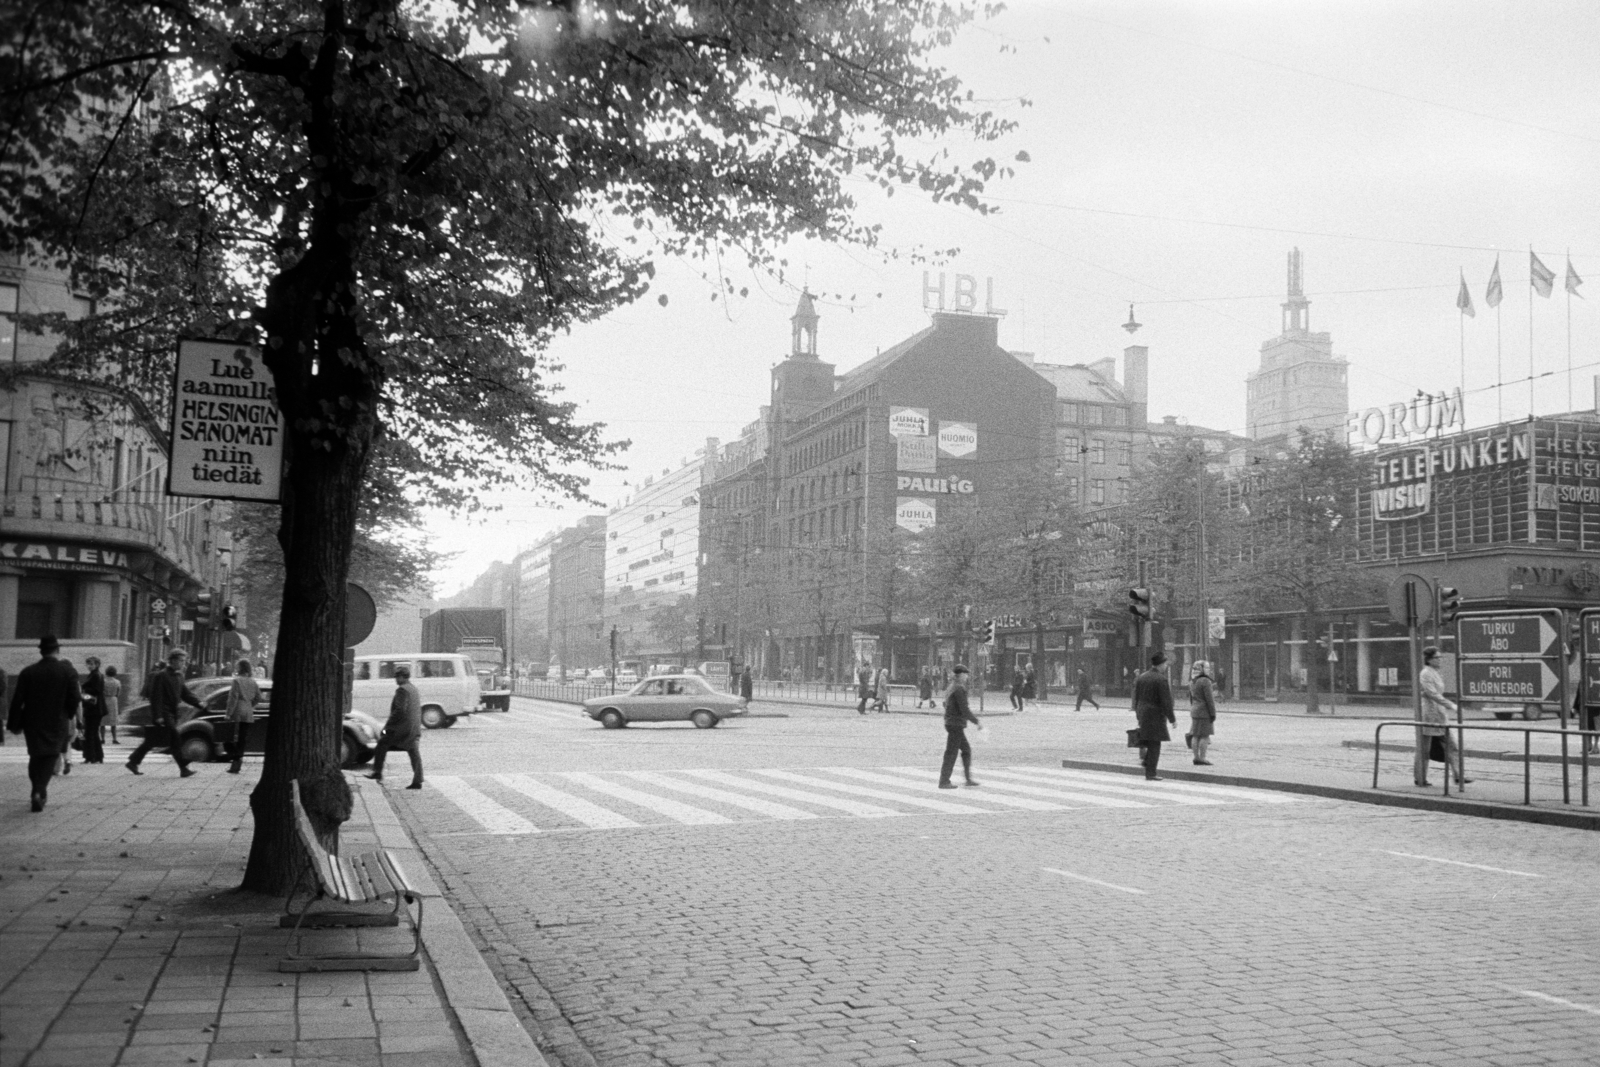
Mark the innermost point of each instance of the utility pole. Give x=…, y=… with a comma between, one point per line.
x=613, y=659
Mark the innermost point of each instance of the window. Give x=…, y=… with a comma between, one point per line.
x=1072, y=489
x=651, y=688
x=44, y=606
x=364, y=671
x=1097, y=491
x=1125, y=452
x=387, y=667
x=8, y=323
x=1093, y=414
x=1070, y=446
x=1097, y=450
x=1117, y=416
x=1067, y=412
x=438, y=668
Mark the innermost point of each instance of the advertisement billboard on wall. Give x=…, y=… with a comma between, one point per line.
x=908, y=422
x=913, y=513
x=227, y=431
x=958, y=439
x=915, y=454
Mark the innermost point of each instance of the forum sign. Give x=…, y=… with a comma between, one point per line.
x=1426, y=413
x=227, y=431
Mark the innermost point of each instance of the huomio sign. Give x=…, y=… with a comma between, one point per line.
x=958, y=438
x=227, y=431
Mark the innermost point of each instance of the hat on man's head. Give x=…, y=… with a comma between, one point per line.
x=1158, y=659
x=48, y=643
x=960, y=668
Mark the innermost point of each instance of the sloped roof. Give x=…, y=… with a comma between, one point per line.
x=851, y=379
x=1077, y=382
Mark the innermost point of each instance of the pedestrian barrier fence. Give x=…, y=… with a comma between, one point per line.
x=1527, y=732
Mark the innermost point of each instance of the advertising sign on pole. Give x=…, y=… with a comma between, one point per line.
x=1217, y=624
x=227, y=431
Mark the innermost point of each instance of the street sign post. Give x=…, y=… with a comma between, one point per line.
x=1512, y=655
x=1525, y=680
x=1535, y=634
x=1589, y=650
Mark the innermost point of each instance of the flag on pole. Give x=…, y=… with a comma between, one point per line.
x=1493, y=295
x=1542, y=277
x=1573, y=281
x=1464, y=298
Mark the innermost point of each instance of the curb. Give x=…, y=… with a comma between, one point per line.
x=1477, y=808
x=1576, y=759
x=495, y=1034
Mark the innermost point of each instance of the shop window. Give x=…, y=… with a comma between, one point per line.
x=44, y=606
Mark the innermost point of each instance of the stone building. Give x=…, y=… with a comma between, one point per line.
x=652, y=559
x=577, y=596
x=1300, y=383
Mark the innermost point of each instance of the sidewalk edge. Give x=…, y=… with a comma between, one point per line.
x=1479, y=809
x=495, y=1034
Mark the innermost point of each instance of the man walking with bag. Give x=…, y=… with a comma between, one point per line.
x=403, y=730
x=956, y=716
x=1152, y=703
x=43, y=706
x=166, y=690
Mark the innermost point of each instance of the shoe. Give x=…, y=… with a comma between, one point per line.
x=1423, y=785
x=947, y=785
x=1463, y=781
x=1202, y=763
x=233, y=769
x=1188, y=740
x=1154, y=778
x=972, y=781
x=134, y=767
x=185, y=772
x=66, y=768
x=38, y=802
x=414, y=785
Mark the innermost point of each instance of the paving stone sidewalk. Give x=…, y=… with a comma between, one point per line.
x=122, y=940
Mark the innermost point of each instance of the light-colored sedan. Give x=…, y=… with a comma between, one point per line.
x=673, y=698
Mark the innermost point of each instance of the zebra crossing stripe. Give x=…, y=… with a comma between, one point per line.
x=877, y=794
x=849, y=807
x=1171, y=790
x=490, y=815
x=1023, y=774
x=722, y=796
x=586, y=812
x=988, y=798
x=991, y=780
x=684, y=813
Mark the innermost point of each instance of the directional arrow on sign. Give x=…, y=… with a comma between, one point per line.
x=1510, y=679
x=1509, y=634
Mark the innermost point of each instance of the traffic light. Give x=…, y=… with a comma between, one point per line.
x=988, y=632
x=1139, y=604
x=202, y=608
x=230, y=617
x=1449, y=604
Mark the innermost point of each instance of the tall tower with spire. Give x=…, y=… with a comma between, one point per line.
x=1300, y=382
x=802, y=381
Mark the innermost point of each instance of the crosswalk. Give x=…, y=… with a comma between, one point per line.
x=512, y=804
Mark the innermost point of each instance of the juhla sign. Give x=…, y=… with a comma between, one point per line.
x=227, y=431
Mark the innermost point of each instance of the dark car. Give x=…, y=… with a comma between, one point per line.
x=665, y=698
x=197, y=735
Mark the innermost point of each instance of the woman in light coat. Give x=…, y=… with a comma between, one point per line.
x=242, y=698
x=1202, y=712
x=881, y=689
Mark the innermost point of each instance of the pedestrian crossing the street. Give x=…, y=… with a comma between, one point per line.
x=513, y=804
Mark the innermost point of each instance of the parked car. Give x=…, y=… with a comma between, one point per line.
x=597, y=674
x=197, y=734
x=669, y=698
x=627, y=676
x=446, y=681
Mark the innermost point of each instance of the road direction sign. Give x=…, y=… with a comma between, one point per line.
x=1489, y=634
x=1510, y=679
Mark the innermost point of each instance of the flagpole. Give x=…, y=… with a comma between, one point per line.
x=1530, y=331
x=1568, y=286
x=1499, y=371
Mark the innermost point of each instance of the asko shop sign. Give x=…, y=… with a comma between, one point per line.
x=52, y=555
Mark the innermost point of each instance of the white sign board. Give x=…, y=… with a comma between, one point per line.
x=915, y=454
x=227, y=431
x=1217, y=624
x=908, y=422
x=958, y=438
x=913, y=513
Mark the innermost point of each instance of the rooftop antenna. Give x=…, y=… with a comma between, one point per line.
x=1132, y=325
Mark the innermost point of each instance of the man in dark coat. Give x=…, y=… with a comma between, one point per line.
x=403, y=730
x=747, y=686
x=956, y=716
x=1152, y=702
x=43, y=705
x=166, y=690
x=864, y=685
x=94, y=710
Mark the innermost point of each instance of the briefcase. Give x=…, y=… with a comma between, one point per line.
x=1135, y=738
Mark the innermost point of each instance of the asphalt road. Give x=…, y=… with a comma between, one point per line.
x=808, y=896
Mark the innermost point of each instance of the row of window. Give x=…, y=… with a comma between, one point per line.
x=845, y=439
x=1091, y=414
x=1072, y=446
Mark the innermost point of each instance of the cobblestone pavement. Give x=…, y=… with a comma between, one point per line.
x=1158, y=932
x=121, y=944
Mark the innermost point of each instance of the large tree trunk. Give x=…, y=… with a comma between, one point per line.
x=326, y=388
x=1311, y=654
x=1041, y=687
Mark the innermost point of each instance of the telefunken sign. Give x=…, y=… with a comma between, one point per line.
x=1405, y=479
x=1436, y=413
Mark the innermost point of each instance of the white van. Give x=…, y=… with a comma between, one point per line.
x=447, y=682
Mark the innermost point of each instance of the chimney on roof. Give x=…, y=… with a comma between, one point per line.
x=1170, y=420
x=1136, y=373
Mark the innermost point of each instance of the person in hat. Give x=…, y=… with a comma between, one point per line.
x=166, y=690
x=1152, y=702
x=956, y=716
x=44, y=704
x=404, y=728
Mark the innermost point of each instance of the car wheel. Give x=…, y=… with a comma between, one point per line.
x=1502, y=715
x=449, y=721
x=704, y=719
x=349, y=752
x=1532, y=712
x=433, y=717
x=195, y=749
x=612, y=719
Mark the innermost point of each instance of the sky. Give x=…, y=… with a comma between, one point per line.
x=1177, y=152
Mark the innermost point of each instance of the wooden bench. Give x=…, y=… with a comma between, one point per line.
x=365, y=879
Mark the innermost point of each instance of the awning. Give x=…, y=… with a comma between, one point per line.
x=235, y=639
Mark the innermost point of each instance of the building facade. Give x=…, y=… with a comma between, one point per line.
x=652, y=560
x=92, y=549
x=577, y=597
x=1300, y=383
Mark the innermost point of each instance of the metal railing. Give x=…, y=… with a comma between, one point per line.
x=1527, y=733
x=561, y=692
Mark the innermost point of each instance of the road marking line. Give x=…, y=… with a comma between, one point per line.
x=485, y=812
x=586, y=812
x=1461, y=863
x=683, y=813
x=984, y=796
x=991, y=781
x=877, y=794
x=1535, y=994
x=722, y=796
x=1169, y=788
x=1093, y=881
x=1143, y=789
x=850, y=807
